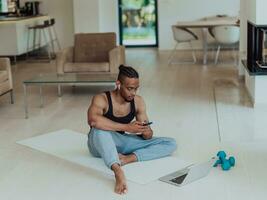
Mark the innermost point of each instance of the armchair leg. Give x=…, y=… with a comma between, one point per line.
x=11, y=97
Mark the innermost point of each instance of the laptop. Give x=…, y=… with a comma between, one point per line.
x=189, y=174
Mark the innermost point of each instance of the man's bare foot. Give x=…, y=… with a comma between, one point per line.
x=120, y=186
x=125, y=159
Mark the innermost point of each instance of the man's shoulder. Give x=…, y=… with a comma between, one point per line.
x=138, y=100
x=101, y=97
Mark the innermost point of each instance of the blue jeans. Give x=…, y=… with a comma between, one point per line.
x=107, y=145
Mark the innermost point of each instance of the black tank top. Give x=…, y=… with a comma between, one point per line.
x=123, y=120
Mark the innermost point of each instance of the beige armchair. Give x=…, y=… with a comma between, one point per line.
x=92, y=53
x=6, y=84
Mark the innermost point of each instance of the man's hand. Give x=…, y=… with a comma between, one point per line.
x=148, y=133
x=137, y=128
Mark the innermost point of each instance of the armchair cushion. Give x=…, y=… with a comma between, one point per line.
x=3, y=76
x=93, y=47
x=86, y=67
x=92, y=53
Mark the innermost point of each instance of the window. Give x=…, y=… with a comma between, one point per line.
x=138, y=23
x=8, y=6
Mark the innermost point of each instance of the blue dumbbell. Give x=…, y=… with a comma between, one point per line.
x=232, y=161
x=218, y=162
x=221, y=155
x=226, y=164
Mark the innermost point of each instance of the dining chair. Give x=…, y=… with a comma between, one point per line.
x=225, y=36
x=182, y=35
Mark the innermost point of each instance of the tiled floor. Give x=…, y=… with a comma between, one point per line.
x=205, y=108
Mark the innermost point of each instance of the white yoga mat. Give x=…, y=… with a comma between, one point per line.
x=72, y=146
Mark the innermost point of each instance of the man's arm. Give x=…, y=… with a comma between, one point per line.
x=141, y=116
x=96, y=119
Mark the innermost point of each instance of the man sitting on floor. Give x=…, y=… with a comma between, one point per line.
x=115, y=137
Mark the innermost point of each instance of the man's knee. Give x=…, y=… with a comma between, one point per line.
x=100, y=135
x=101, y=139
x=96, y=130
x=99, y=132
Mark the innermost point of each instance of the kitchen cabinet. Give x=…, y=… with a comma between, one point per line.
x=14, y=34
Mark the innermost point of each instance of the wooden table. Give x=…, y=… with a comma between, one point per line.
x=206, y=23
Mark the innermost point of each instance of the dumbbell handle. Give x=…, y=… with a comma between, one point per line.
x=218, y=162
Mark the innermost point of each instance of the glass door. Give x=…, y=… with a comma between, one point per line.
x=138, y=23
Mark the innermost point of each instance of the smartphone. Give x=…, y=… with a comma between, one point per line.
x=147, y=123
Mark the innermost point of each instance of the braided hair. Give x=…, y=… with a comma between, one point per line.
x=127, y=71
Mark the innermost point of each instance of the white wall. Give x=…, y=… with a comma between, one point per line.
x=250, y=85
x=169, y=11
x=102, y=15
x=244, y=15
x=62, y=11
x=109, y=16
x=251, y=9
x=86, y=16
x=96, y=16
x=243, y=24
x=261, y=14
x=255, y=12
